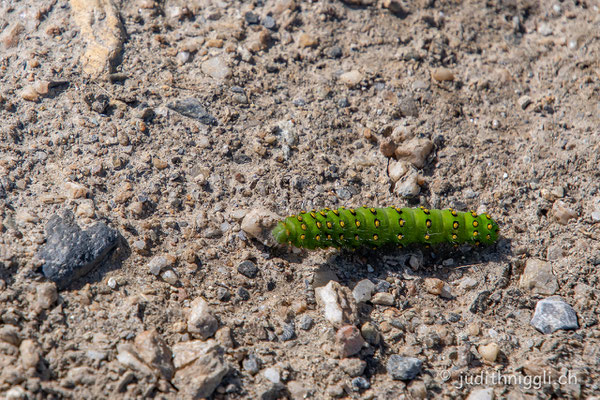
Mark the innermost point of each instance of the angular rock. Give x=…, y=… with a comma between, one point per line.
x=408, y=184
x=538, y=277
x=46, y=295
x=404, y=368
x=216, y=68
x=338, y=304
x=348, y=341
x=363, y=291
x=415, y=151
x=258, y=223
x=552, y=314
x=562, y=213
x=201, y=323
x=192, y=108
x=248, y=269
x=155, y=353
x=70, y=253
x=200, y=367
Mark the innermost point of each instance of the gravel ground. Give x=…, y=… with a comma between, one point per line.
x=147, y=147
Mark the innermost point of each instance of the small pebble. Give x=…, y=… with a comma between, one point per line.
x=363, y=290
x=524, y=102
x=348, y=341
x=404, y=368
x=288, y=332
x=442, y=74
x=387, y=147
x=384, y=299
x=272, y=375
x=481, y=394
x=538, y=277
x=351, y=78
x=562, y=213
x=269, y=22
x=46, y=295
x=489, y=352
x=251, y=364
x=200, y=322
x=434, y=286
x=552, y=314
x=415, y=151
x=596, y=216
x=307, y=40
x=170, y=277
x=334, y=52
x=360, y=383
x=216, y=68
x=112, y=283
x=353, y=366
x=306, y=322
x=243, y=294
x=157, y=264
x=369, y=331
x=248, y=269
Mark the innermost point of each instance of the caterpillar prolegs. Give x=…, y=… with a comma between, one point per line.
x=376, y=227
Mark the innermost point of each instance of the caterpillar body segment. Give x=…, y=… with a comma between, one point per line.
x=375, y=227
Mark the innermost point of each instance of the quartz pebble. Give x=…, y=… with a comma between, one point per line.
x=481, y=394
x=397, y=169
x=552, y=314
x=272, y=375
x=489, y=352
x=337, y=303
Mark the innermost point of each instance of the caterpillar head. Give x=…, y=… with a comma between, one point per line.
x=493, y=231
x=281, y=233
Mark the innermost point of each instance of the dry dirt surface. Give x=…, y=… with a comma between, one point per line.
x=148, y=147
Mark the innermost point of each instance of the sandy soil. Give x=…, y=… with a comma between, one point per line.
x=175, y=122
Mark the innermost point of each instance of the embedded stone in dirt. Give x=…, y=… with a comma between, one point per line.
x=70, y=252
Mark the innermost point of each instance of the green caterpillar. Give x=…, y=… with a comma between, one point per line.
x=375, y=227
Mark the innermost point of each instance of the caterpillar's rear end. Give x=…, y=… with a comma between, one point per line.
x=376, y=227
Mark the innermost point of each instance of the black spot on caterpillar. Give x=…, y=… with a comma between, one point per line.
x=375, y=227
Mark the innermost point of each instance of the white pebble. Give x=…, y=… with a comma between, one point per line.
x=112, y=283
x=170, y=277
x=272, y=375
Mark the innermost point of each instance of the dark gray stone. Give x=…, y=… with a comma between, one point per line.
x=192, y=108
x=70, y=253
x=360, y=383
x=243, y=294
x=306, y=322
x=552, y=314
x=288, y=332
x=248, y=269
x=404, y=368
